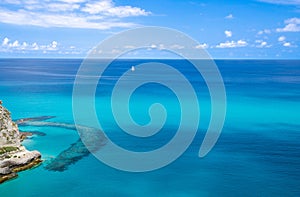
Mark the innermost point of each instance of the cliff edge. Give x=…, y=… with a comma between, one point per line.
x=14, y=157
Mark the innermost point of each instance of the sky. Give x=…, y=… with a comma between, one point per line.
x=248, y=29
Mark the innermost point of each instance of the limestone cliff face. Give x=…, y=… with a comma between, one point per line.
x=13, y=156
x=9, y=132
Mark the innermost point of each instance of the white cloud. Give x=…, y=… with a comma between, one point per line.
x=16, y=2
x=5, y=42
x=230, y=16
x=92, y=14
x=242, y=43
x=289, y=28
x=129, y=47
x=228, y=33
x=31, y=2
x=53, y=45
x=35, y=46
x=73, y=1
x=262, y=44
x=232, y=44
x=97, y=7
x=107, y=7
x=265, y=31
x=176, y=46
x=25, y=46
x=163, y=47
x=57, y=7
x=281, y=38
x=15, y=44
x=282, y=2
x=56, y=20
x=287, y=44
x=153, y=46
x=292, y=25
x=202, y=46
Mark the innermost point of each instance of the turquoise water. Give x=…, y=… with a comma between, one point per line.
x=257, y=153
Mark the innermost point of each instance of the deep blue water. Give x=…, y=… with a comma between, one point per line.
x=257, y=153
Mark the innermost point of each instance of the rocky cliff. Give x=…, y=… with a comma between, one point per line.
x=13, y=156
x=9, y=133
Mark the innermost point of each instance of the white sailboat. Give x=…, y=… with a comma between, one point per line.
x=132, y=68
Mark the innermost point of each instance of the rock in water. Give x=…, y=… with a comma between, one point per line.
x=92, y=137
x=13, y=156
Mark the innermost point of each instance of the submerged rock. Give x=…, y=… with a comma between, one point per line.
x=67, y=157
x=94, y=137
x=39, y=118
x=13, y=156
x=25, y=134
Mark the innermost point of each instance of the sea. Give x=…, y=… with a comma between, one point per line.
x=257, y=153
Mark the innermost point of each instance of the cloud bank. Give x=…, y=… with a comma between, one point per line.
x=91, y=14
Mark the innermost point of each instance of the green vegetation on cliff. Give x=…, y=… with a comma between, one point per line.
x=13, y=155
x=7, y=149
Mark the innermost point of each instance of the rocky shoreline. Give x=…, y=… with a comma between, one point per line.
x=18, y=161
x=14, y=157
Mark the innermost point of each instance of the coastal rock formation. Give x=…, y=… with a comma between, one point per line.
x=9, y=133
x=13, y=156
